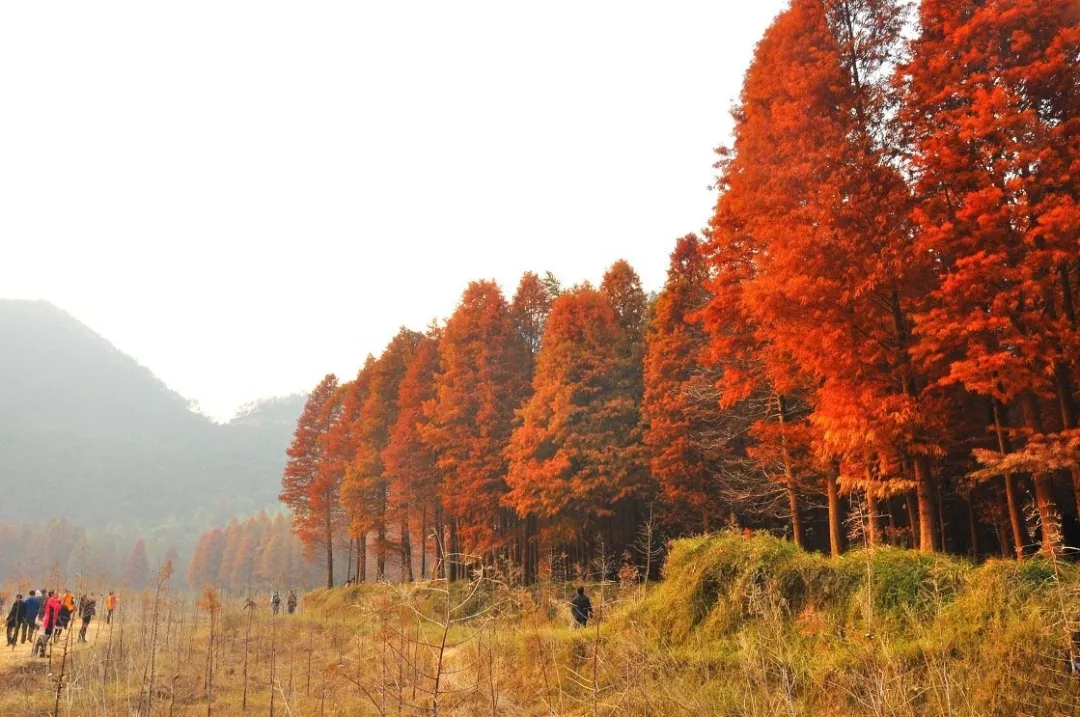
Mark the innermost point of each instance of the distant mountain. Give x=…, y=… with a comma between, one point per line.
x=89, y=434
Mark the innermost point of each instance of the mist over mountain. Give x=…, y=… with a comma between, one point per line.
x=90, y=435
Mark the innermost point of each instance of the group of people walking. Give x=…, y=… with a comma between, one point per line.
x=290, y=605
x=51, y=612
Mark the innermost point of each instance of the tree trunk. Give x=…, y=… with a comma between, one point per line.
x=528, y=565
x=1003, y=539
x=1067, y=294
x=1049, y=518
x=1067, y=408
x=797, y=532
x=892, y=521
x=406, y=552
x=423, y=543
x=1020, y=537
x=361, y=559
x=913, y=518
x=943, y=536
x=440, y=543
x=380, y=552
x=973, y=528
x=329, y=552
x=453, y=553
x=832, y=490
x=873, y=520
x=927, y=500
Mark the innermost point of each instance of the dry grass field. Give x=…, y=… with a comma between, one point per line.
x=739, y=626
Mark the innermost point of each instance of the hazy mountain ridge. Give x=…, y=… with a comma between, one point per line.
x=89, y=434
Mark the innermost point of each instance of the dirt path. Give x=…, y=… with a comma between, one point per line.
x=98, y=634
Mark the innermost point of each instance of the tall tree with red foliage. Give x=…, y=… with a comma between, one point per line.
x=310, y=485
x=994, y=113
x=205, y=564
x=409, y=461
x=366, y=485
x=835, y=276
x=341, y=444
x=677, y=394
x=482, y=379
x=137, y=567
x=530, y=308
x=576, y=453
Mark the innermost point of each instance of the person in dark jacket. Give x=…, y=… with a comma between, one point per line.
x=581, y=609
x=63, y=618
x=87, y=610
x=31, y=608
x=290, y=605
x=15, y=620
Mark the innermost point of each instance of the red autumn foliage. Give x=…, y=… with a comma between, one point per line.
x=482, y=379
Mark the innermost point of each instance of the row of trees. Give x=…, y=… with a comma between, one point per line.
x=63, y=552
x=259, y=553
x=456, y=433
x=880, y=322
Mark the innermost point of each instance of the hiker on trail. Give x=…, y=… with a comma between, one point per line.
x=275, y=602
x=31, y=609
x=15, y=620
x=290, y=605
x=67, y=608
x=49, y=623
x=581, y=609
x=110, y=605
x=87, y=609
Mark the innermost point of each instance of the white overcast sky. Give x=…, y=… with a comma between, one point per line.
x=246, y=195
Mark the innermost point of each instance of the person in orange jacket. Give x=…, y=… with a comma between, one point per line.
x=110, y=605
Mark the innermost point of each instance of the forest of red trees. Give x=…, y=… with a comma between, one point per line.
x=259, y=553
x=875, y=339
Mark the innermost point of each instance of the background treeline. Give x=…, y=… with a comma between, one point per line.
x=876, y=337
x=63, y=554
x=260, y=553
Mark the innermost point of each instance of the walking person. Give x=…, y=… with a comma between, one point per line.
x=49, y=622
x=290, y=604
x=275, y=602
x=580, y=609
x=15, y=620
x=31, y=609
x=67, y=609
x=110, y=605
x=87, y=610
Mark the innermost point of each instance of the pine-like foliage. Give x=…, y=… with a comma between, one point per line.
x=482, y=379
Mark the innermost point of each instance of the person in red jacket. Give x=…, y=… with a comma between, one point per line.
x=50, y=621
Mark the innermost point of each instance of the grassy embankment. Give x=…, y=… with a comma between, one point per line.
x=740, y=626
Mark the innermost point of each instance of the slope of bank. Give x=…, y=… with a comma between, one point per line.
x=883, y=632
